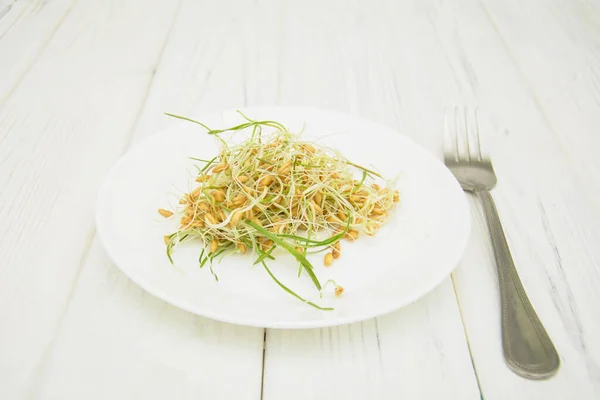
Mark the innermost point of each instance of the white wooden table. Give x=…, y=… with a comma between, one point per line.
x=82, y=80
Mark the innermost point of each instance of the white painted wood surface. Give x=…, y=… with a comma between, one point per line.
x=81, y=81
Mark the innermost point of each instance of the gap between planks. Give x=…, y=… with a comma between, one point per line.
x=264, y=357
x=462, y=318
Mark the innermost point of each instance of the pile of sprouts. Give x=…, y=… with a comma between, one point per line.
x=274, y=190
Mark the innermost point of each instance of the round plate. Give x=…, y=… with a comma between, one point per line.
x=415, y=251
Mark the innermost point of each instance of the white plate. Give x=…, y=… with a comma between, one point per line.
x=414, y=252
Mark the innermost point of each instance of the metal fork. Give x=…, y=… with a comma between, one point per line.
x=528, y=350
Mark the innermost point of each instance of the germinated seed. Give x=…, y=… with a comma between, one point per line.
x=214, y=245
x=165, y=213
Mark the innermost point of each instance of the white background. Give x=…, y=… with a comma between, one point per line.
x=80, y=81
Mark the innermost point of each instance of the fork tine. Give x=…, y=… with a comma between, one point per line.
x=472, y=133
x=450, y=135
x=462, y=138
x=476, y=149
x=466, y=119
x=480, y=148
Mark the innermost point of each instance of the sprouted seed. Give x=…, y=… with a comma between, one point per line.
x=165, y=213
x=277, y=191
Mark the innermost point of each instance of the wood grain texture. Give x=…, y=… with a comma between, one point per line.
x=80, y=81
x=388, y=357
x=558, y=42
x=160, y=350
x=25, y=30
x=547, y=217
x=118, y=342
x=204, y=71
x=349, y=46
x=62, y=128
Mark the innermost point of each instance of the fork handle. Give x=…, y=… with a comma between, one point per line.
x=528, y=350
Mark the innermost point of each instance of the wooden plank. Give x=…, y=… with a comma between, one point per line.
x=377, y=60
x=556, y=45
x=61, y=129
x=117, y=341
x=230, y=64
x=416, y=352
x=548, y=215
x=441, y=53
x=25, y=30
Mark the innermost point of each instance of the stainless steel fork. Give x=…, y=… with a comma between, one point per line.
x=528, y=350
